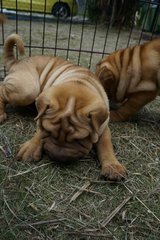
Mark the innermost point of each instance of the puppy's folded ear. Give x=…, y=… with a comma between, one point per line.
x=42, y=103
x=99, y=118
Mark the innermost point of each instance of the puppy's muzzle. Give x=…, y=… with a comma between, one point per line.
x=66, y=152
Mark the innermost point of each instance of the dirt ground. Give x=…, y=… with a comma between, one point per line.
x=45, y=200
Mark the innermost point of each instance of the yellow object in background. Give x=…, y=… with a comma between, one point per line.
x=63, y=9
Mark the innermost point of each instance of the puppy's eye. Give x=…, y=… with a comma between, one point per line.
x=85, y=117
x=49, y=110
x=89, y=115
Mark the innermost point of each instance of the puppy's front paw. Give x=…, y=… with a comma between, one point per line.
x=114, y=172
x=30, y=151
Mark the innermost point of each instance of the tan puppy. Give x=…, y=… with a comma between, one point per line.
x=131, y=77
x=72, y=108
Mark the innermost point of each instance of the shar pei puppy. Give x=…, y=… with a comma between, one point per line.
x=72, y=108
x=131, y=78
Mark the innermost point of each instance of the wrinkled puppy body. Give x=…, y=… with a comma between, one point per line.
x=131, y=78
x=71, y=103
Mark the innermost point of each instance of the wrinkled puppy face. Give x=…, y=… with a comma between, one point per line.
x=74, y=117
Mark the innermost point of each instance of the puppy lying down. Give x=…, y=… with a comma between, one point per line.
x=71, y=103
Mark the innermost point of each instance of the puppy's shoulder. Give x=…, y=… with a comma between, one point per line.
x=153, y=44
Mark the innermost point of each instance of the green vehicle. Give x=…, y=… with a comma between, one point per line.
x=61, y=8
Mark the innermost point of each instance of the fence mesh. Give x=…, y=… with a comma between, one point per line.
x=75, y=38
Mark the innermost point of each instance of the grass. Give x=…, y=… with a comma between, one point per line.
x=46, y=200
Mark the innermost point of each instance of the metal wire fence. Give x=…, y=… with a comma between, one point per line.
x=75, y=38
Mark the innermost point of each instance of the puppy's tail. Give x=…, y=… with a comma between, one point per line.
x=2, y=18
x=9, y=56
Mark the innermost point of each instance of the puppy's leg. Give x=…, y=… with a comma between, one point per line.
x=132, y=105
x=111, y=168
x=3, y=102
x=17, y=93
x=32, y=149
